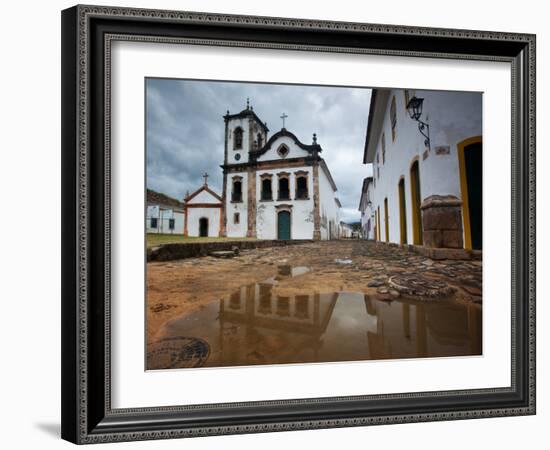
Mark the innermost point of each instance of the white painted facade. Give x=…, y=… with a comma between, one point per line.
x=367, y=210
x=302, y=210
x=330, y=206
x=453, y=117
x=346, y=232
x=205, y=206
x=194, y=216
x=163, y=215
x=160, y=220
x=281, y=156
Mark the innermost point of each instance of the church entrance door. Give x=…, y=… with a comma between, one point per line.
x=203, y=227
x=283, y=225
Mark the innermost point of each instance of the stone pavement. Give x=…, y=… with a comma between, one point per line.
x=383, y=271
x=386, y=272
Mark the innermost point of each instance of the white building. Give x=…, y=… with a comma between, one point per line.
x=275, y=187
x=426, y=191
x=367, y=211
x=165, y=215
x=345, y=230
x=203, y=212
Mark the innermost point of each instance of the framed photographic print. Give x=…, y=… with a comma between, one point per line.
x=282, y=224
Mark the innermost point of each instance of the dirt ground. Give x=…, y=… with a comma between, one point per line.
x=184, y=286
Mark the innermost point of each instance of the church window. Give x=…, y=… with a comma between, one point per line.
x=238, y=138
x=171, y=224
x=282, y=150
x=301, y=187
x=267, y=193
x=154, y=222
x=236, y=218
x=237, y=192
x=235, y=300
x=383, y=148
x=302, y=307
x=393, y=118
x=284, y=188
x=260, y=140
x=283, y=306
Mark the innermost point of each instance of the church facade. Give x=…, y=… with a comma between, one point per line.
x=275, y=187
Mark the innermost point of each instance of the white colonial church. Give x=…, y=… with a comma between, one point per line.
x=274, y=187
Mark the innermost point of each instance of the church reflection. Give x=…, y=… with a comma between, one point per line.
x=260, y=325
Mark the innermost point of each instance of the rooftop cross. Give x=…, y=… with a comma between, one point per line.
x=284, y=116
x=205, y=176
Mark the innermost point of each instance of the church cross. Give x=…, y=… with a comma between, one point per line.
x=205, y=176
x=284, y=116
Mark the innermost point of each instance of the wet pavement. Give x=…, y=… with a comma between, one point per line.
x=318, y=302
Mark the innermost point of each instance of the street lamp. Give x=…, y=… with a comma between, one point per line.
x=414, y=107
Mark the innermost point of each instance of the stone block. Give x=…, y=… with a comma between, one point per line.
x=452, y=239
x=442, y=218
x=432, y=238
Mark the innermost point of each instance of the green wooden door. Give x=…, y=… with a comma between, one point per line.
x=283, y=225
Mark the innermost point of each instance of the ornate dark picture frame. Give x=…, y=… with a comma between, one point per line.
x=87, y=33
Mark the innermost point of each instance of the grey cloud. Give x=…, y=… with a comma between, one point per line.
x=185, y=130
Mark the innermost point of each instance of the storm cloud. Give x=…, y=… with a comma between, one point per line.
x=185, y=130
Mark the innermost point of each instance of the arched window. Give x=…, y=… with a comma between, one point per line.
x=260, y=140
x=393, y=118
x=301, y=186
x=238, y=138
x=284, y=187
x=237, y=192
x=282, y=150
x=267, y=193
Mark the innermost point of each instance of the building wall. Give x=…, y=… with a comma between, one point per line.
x=245, y=124
x=293, y=150
x=302, y=210
x=329, y=210
x=233, y=229
x=163, y=217
x=367, y=214
x=203, y=197
x=213, y=216
x=453, y=117
x=232, y=125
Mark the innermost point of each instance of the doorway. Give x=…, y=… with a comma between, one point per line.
x=402, y=212
x=415, y=204
x=203, y=227
x=386, y=220
x=283, y=225
x=470, y=156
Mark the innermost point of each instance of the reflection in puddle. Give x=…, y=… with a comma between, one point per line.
x=255, y=326
x=286, y=270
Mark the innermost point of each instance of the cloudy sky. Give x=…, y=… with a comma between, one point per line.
x=185, y=130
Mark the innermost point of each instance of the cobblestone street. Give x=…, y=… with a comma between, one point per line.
x=383, y=272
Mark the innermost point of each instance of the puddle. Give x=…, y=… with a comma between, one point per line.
x=286, y=270
x=343, y=261
x=255, y=326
